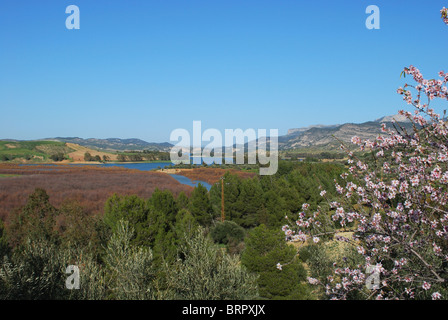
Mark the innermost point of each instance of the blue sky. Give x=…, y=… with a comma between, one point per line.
x=144, y=68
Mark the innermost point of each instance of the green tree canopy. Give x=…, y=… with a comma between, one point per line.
x=200, y=205
x=205, y=272
x=264, y=250
x=35, y=220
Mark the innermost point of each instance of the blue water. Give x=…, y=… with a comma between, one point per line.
x=157, y=165
x=139, y=166
x=153, y=166
x=189, y=182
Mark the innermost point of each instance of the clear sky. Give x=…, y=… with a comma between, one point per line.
x=142, y=68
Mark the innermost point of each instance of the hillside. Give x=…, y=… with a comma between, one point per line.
x=79, y=151
x=42, y=151
x=116, y=144
x=31, y=151
x=314, y=138
x=324, y=138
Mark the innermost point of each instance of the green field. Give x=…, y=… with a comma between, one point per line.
x=36, y=151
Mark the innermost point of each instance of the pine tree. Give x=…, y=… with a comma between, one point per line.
x=130, y=208
x=264, y=250
x=231, y=193
x=200, y=206
x=35, y=220
x=182, y=201
x=186, y=224
x=249, y=203
x=161, y=225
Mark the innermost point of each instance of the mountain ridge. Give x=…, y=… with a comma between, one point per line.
x=321, y=137
x=116, y=144
x=328, y=137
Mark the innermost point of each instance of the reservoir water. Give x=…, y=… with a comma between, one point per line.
x=146, y=166
x=189, y=182
x=158, y=165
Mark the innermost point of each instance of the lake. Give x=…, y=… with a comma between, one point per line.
x=157, y=165
x=189, y=182
x=145, y=166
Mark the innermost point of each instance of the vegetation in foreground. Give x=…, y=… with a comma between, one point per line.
x=176, y=247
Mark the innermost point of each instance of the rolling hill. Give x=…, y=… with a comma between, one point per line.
x=48, y=151
x=116, y=144
x=314, y=138
x=34, y=151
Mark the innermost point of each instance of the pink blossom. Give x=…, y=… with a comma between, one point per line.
x=436, y=296
x=397, y=200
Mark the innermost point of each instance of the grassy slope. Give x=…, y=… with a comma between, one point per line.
x=77, y=153
x=38, y=151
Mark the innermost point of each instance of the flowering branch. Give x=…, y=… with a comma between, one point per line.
x=397, y=204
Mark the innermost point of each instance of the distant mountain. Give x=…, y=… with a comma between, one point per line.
x=396, y=117
x=323, y=137
x=116, y=144
x=300, y=130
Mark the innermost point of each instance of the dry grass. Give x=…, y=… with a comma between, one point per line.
x=78, y=154
x=90, y=185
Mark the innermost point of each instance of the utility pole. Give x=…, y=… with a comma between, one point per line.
x=223, y=216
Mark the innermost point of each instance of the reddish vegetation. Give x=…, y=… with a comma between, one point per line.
x=89, y=185
x=212, y=175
